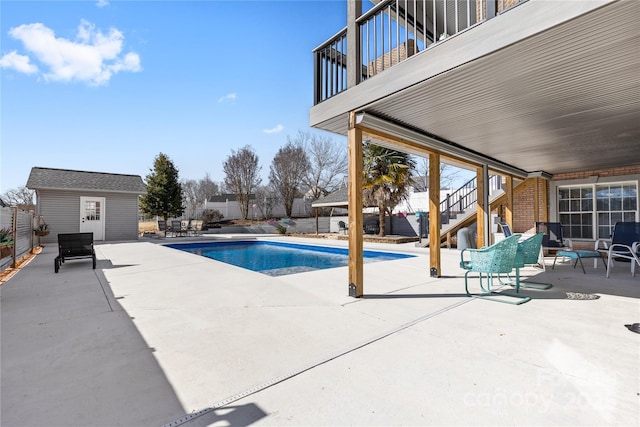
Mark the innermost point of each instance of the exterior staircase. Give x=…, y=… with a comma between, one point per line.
x=458, y=210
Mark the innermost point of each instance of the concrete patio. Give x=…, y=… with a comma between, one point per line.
x=156, y=336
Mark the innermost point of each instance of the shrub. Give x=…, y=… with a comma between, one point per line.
x=211, y=215
x=6, y=236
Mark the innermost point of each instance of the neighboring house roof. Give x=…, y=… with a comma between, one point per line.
x=65, y=179
x=221, y=198
x=339, y=198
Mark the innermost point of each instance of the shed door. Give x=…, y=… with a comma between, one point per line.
x=92, y=210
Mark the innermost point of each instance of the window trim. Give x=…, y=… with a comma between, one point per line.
x=554, y=214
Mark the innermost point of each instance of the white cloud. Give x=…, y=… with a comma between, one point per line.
x=231, y=97
x=102, y=3
x=18, y=62
x=276, y=129
x=92, y=58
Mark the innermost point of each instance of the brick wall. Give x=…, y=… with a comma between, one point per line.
x=481, y=7
x=523, y=215
x=523, y=210
x=621, y=171
x=505, y=4
x=396, y=55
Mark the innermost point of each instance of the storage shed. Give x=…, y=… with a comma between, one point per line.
x=72, y=201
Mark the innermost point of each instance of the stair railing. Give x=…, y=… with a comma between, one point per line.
x=465, y=197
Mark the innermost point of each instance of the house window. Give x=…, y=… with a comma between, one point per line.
x=590, y=211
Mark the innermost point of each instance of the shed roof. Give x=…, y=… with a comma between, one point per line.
x=65, y=179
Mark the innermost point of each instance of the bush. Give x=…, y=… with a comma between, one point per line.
x=6, y=237
x=281, y=229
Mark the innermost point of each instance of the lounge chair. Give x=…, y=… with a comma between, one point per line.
x=176, y=228
x=625, y=245
x=552, y=239
x=162, y=226
x=578, y=255
x=492, y=261
x=194, y=228
x=74, y=246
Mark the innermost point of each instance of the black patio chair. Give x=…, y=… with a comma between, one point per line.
x=177, y=229
x=74, y=246
x=162, y=226
x=552, y=240
x=625, y=245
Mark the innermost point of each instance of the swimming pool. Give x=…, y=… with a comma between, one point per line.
x=278, y=258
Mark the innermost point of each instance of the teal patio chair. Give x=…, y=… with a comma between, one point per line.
x=490, y=262
x=528, y=253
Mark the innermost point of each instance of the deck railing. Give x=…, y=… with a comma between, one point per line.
x=393, y=31
x=330, y=67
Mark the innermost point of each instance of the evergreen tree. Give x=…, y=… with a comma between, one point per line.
x=164, y=194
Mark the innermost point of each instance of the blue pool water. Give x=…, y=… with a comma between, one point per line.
x=277, y=258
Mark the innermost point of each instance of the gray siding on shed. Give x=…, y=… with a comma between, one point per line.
x=121, y=216
x=61, y=211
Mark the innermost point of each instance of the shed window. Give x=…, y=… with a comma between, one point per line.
x=92, y=210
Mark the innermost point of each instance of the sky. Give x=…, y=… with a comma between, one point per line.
x=107, y=85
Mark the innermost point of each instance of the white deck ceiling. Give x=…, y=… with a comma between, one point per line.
x=562, y=100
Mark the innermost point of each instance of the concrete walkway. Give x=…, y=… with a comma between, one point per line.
x=155, y=336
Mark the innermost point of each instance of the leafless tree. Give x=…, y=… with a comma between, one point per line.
x=448, y=174
x=327, y=163
x=242, y=176
x=287, y=172
x=196, y=193
x=266, y=199
x=207, y=188
x=20, y=196
x=189, y=197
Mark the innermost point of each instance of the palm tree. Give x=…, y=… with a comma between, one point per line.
x=386, y=179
